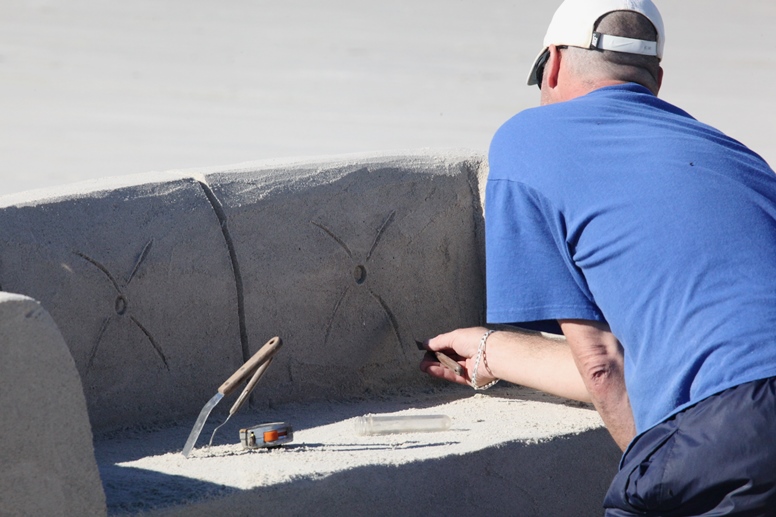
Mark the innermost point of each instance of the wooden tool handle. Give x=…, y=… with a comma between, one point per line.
x=448, y=362
x=442, y=358
x=249, y=387
x=264, y=353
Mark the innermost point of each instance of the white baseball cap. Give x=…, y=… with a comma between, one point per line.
x=573, y=23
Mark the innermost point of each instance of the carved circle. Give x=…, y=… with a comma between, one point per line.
x=359, y=274
x=121, y=305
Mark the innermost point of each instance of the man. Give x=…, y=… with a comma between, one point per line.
x=651, y=239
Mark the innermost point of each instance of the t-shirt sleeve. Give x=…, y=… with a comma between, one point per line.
x=529, y=272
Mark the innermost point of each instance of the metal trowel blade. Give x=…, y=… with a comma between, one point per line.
x=200, y=423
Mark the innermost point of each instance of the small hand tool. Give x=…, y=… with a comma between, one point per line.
x=443, y=358
x=253, y=364
x=243, y=396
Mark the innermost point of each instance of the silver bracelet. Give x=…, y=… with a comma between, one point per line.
x=480, y=355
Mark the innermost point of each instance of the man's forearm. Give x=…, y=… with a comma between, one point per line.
x=586, y=365
x=615, y=411
x=600, y=361
x=533, y=360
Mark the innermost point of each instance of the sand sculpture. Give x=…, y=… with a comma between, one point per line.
x=163, y=288
x=163, y=284
x=47, y=464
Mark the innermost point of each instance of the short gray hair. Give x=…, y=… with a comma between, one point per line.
x=591, y=65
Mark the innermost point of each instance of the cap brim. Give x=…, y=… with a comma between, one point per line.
x=532, y=79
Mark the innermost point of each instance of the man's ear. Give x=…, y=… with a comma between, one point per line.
x=552, y=70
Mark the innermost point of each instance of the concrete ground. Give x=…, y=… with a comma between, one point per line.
x=94, y=88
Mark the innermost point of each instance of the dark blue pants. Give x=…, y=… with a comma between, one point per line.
x=717, y=457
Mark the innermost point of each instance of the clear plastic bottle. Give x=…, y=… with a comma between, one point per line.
x=392, y=424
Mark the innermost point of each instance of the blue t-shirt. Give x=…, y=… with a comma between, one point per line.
x=619, y=207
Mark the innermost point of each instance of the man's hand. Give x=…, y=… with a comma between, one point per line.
x=461, y=346
x=517, y=356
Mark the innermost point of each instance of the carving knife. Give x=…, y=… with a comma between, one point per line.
x=264, y=354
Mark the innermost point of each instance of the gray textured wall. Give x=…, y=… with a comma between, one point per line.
x=162, y=286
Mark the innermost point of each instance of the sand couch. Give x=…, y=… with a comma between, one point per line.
x=163, y=284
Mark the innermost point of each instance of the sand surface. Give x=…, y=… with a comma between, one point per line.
x=144, y=470
x=92, y=88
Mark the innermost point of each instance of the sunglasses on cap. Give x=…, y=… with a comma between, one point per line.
x=543, y=62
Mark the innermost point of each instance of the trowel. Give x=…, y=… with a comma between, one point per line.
x=255, y=365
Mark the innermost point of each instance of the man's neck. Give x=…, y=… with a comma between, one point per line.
x=574, y=89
